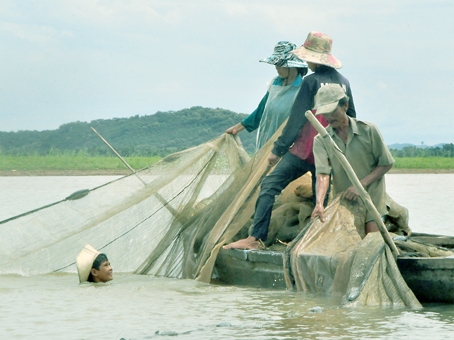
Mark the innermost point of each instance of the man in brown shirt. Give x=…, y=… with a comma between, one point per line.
x=362, y=145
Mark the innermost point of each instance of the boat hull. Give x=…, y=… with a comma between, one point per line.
x=430, y=279
x=260, y=268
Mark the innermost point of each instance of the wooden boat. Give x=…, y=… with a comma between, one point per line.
x=430, y=278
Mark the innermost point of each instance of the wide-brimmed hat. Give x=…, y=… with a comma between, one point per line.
x=283, y=58
x=317, y=49
x=327, y=98
x=85, y=261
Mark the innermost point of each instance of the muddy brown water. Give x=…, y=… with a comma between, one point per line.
x=54, y=306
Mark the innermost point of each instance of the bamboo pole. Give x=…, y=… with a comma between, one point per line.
x=118, y=155
x=355, y=181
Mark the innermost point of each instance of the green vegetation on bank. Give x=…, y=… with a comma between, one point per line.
x=419, y=163
x=143, y=140
x=93, y=163
x=72, y=162
x=446, y=150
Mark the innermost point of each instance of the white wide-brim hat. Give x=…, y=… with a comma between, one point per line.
x=317, y=49
x=85, y=261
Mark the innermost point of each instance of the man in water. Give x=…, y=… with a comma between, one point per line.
x=362, y=145
x=93, y=266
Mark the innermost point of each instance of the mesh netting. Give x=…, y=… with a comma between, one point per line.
x=336, y=258
x=136, y=220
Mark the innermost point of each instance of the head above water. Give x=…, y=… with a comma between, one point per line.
x=93, y=266
x=99, y=260
x=101, y=270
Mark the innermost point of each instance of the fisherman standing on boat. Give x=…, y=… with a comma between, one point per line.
x=362, y=145
x=295, y=143
x=274, y=108
x=93, y=266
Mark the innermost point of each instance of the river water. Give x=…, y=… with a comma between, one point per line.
x=54, y=306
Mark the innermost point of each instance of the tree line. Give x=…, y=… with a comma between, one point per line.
x=446, y=150
x=158, y=134
x=151, y=135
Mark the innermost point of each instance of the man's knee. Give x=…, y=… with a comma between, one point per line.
x=272, y=185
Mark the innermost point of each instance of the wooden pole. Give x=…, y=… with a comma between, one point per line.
x=118, y=155
x=355, y=181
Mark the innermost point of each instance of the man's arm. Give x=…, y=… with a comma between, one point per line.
x=252, y=121
x=323, y=171
x=378, y=172
x=323, y=181
x=233, y=130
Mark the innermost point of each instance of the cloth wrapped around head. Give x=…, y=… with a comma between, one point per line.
x=283, y=58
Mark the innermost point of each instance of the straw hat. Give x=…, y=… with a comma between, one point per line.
x=317, y=49
x=327, y=98
x=85, y=261
x=282, y=57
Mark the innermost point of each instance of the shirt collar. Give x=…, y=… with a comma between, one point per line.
x=353, y=127
x=297, y=82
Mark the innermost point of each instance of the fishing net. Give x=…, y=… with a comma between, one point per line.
x=229, y=210
x=336, y=258
x=169, y=219
x=137, y=220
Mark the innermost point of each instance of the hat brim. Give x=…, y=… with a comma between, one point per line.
x=84, y=262
x=291, y=63
x=317, y=57
x=328, y=108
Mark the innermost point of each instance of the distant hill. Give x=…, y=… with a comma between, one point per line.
x=159, y=134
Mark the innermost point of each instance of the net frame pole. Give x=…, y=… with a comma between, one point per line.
x=118, y=155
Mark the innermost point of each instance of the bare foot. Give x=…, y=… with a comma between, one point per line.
x=247, y=243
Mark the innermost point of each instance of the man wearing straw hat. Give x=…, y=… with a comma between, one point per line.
x=93, y=266
x=294, y=145
x=363, y=147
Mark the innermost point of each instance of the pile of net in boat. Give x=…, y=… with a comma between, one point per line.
x=336, y=258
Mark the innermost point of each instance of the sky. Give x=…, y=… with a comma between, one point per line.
x=63, y=61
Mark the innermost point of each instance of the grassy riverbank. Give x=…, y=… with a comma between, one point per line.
x=71, y=165
x=424, y=164
x=88, y=165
